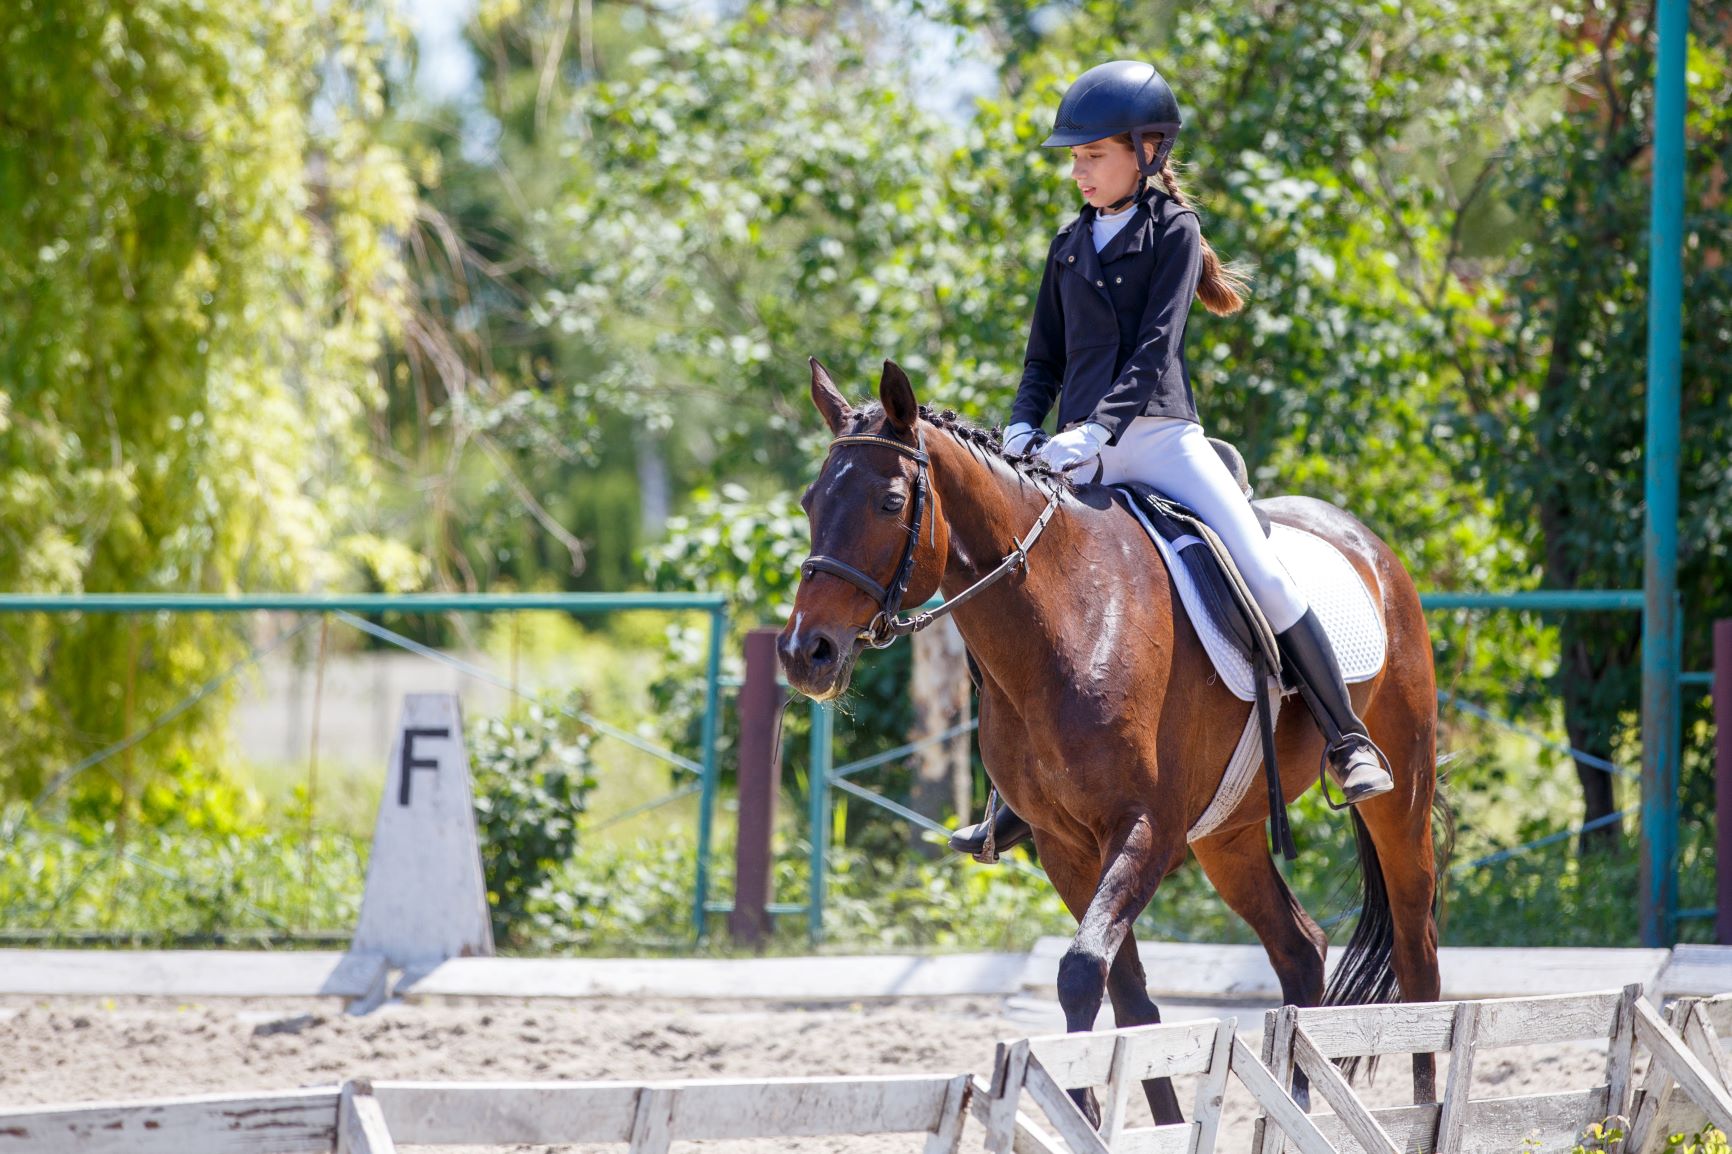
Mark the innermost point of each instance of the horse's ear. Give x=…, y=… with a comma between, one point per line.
x=897, y=397
x=828, y=398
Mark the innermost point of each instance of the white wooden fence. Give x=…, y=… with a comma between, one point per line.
x=1703, y=1024
x=1685, y=1088
x=363, y=1118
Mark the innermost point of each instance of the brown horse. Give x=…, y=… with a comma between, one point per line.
x=1100, y=720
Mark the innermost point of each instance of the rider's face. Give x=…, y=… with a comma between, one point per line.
x=1105, y=171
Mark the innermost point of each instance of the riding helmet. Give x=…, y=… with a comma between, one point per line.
x=1118, y=96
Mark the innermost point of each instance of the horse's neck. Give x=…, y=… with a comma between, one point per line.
x=988, y=509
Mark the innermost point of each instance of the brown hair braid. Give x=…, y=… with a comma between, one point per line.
x=1223, y=286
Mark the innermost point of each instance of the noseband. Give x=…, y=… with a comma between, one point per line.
x=886, y=626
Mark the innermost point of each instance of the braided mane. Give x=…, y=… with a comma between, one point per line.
x=986, y=441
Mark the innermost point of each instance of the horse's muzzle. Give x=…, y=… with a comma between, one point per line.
x=816, y=661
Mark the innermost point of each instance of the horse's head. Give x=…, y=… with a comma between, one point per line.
x=878, y=539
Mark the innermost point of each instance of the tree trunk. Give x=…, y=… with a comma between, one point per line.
x=1596, y=656
x=943, y=777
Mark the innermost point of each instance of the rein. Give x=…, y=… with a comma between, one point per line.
x=886, y=626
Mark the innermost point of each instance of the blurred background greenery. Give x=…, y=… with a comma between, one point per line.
x=517, y=295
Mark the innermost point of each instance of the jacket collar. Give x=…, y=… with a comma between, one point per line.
x=1136, y=235
x=1078, y=251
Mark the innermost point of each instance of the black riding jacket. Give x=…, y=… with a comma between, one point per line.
x=1108, y=336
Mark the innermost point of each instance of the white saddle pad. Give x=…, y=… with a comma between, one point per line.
x=1332, y=586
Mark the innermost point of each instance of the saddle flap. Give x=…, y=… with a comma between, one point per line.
x=1195, y=548
x=1332, y=586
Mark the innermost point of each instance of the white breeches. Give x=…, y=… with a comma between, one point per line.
x=1175, y=457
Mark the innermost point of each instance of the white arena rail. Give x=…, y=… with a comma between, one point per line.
x=1685, y=1088
x=360, y=1117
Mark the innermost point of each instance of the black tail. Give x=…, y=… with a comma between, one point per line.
x=1366, y=975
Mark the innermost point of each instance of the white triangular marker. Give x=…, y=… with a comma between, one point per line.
x=426, y=899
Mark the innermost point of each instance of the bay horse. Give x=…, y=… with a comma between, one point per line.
x=1101, y=720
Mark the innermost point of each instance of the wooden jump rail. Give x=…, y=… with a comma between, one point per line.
x=1685, y=1088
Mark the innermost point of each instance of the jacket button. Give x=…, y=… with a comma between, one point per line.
x=1099, y=283
x=1118, y=280
x=1071, y=258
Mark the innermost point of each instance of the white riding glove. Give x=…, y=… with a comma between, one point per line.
x=1017, y=438
x=1074, y=447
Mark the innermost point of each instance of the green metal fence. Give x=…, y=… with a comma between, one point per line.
x=1659, y=828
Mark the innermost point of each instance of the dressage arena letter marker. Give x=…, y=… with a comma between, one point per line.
x=426, y=899
x=411, y=762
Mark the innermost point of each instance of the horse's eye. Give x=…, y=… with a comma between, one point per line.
x=893, y=502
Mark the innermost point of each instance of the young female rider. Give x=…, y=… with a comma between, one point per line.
x=1108, y=342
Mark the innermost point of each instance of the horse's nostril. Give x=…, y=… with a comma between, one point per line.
x=821, y=650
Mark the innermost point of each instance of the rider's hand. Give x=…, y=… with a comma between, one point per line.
x=1018, y=437
x=1074, y=446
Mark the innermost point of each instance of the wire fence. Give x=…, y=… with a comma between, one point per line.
x=702, y=772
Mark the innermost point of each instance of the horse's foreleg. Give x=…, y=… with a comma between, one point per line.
x=1135, y=862
x=1129, y=989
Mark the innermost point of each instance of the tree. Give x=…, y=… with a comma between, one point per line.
x=195, y=278
x=1559, y=415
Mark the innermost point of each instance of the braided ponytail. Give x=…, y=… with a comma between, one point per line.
x=1222, y=286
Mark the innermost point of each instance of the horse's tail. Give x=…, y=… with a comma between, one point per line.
x=1366, y=975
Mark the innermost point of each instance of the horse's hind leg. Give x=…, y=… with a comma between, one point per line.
x=1128, y=987
x=1399, y=824
x=1238, y=865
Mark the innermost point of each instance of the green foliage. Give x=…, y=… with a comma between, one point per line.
x=195, y=280
x=176, y=881
x=730, y=543
x=592, y=302
x=533, y=774
x=1556, y=406
x=1602, y=1137
x=1711, y=1140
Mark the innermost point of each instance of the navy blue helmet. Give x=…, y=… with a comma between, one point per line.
x=1115, y=97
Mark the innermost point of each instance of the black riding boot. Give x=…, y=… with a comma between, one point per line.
x=1007, y=830
x=1355, y=760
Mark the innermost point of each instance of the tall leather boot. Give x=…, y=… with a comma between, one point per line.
x=1007, y=830
x=1353, y=758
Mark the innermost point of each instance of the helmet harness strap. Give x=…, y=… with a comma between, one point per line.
x=1146, y=169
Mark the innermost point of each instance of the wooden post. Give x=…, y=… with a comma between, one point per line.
x=760, y=782
x=1723, y=778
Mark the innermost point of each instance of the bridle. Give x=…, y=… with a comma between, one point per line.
x=886, y=626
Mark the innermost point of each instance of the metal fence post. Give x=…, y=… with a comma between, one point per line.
x=1660, y=731
x=818, y=813
x=1723, y=779
x=712, y=772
